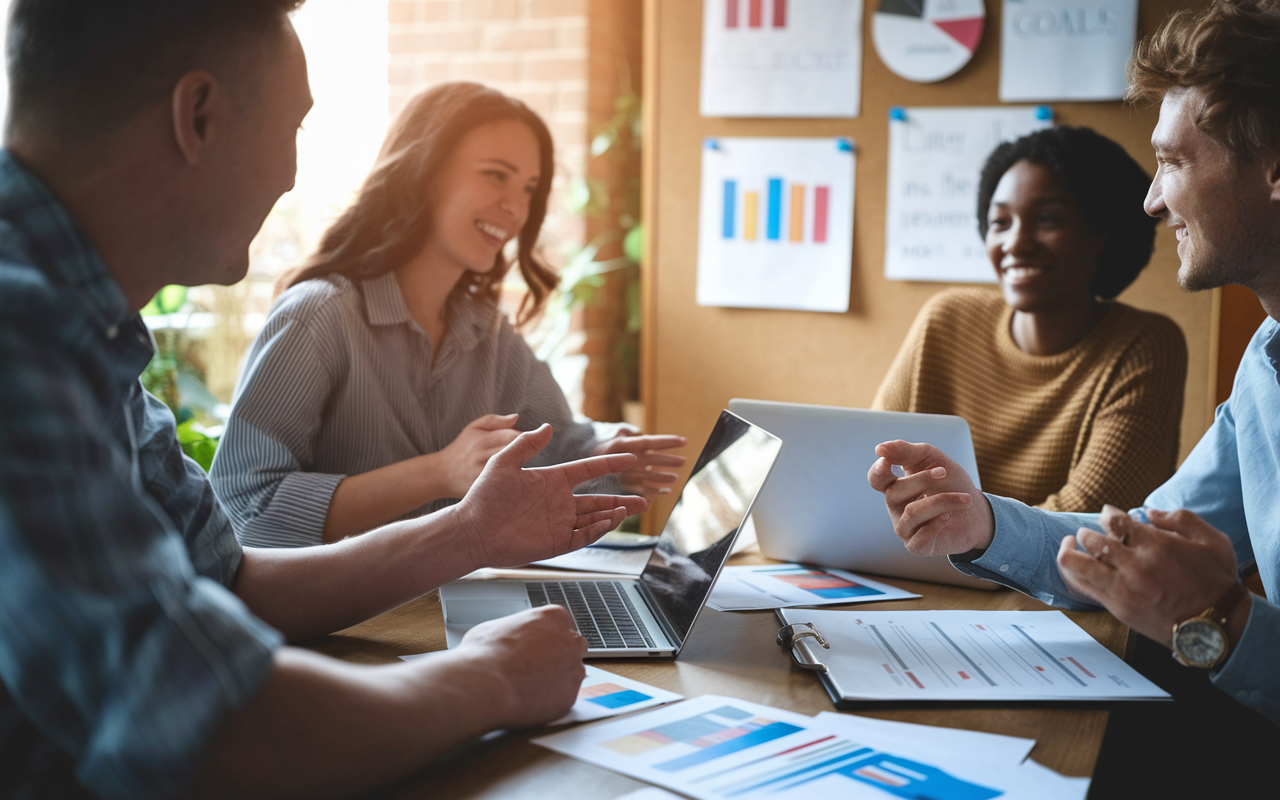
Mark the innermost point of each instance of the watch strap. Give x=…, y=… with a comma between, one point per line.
x=1228, y=603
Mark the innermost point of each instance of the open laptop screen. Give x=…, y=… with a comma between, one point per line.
x=711, y=508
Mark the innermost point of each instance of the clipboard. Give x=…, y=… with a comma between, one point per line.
x=957, y=658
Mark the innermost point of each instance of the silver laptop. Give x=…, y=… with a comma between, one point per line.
x=650, y=615
x=819, y=509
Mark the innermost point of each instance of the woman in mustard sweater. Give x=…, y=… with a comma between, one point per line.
x=1074, y=400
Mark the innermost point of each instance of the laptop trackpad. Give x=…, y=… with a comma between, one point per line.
x=474, y=611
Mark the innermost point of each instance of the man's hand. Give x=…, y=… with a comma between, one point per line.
x=935, y=508
x=648, y=476
x=1151, y=577
x=533, y=660
x=513, y=515
x=464, y=457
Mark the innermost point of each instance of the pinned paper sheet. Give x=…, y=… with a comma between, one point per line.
x=781, y=58
x=935, y=158
x=1066, y=49
x=775, y=225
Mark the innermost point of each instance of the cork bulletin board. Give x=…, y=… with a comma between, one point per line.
x=694, y=359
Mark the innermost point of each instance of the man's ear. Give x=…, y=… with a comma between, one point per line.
x=1273, y=178
x=195, y=96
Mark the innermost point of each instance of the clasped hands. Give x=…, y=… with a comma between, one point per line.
x=1151, y=576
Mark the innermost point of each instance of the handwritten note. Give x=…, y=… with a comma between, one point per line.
x=781, y=58
x=935, y=157
x=1066, y=49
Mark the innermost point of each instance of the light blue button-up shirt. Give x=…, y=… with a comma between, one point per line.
x=1231, y=479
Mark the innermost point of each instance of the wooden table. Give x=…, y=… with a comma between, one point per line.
x=728, y=653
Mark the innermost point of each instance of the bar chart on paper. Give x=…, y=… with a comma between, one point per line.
x=781, y=58
x=969, y=655
x=741, y=588
x=775, y=226
x=718, y=747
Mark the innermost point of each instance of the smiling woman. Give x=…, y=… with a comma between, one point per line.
x=1071, y=397
x=386, y=376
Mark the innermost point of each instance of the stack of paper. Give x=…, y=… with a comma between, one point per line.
x=719, y=747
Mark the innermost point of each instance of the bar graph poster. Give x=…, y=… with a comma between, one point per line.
x=1066, y=49
x=935, y=157
x=775, y=227
x=781, y=58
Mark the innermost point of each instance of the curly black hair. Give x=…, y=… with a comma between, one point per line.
x=1107, y=184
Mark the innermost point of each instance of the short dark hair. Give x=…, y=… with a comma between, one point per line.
x=81, y=65
x=1107, y=184
x=1228, y=52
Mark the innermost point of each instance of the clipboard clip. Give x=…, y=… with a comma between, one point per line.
x=790, y=638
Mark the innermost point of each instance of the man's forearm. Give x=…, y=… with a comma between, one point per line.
x=324, y=728
x=310, y=591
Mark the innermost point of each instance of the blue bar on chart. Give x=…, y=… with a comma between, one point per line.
x=774, y=224
x=730, y=200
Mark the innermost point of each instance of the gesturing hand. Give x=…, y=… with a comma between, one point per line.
x=935, y=508
x=647, y=477
x=513, y=515
x=1151, y=577
x=464, y=457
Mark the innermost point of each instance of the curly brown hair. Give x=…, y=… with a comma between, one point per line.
x=1228, y=52
x=390, y=220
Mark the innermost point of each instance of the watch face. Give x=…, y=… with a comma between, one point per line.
x=1199, y=642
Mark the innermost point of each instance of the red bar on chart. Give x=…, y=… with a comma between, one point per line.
x=821, y=196
x=755, y=14
x=731, y=13
x=779, y=13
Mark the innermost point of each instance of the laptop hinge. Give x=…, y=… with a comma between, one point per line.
x=659, y=615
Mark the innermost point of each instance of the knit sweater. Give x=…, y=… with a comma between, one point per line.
x=1095, y=424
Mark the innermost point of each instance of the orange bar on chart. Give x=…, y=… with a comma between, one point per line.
x=797, y=212
x=750, y=205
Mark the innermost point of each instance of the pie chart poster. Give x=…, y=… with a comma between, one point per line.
x=927, y=40
x=775, y=223
x=781, y=58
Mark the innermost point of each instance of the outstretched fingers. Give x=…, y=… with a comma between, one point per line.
x=591, y=503
x=523, y=447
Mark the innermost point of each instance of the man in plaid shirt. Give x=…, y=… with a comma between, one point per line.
x=141, y=648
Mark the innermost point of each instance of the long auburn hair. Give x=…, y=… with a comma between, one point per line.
x=390, y=220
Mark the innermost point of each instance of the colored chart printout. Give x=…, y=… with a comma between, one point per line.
x=935, y=158
x=718, y=747
x=927, y=40
x=781, y=58
x=775, y=225
x=1065, y=49
x=784, y=585
x=969, y=655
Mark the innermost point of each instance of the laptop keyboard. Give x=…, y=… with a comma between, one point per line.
x=601, y=609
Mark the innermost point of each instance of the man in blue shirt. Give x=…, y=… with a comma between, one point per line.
x=141, y=648
x=1169, y=570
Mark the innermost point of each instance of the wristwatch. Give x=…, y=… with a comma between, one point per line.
x=1202, y=641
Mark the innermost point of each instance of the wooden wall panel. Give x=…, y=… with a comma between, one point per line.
x=696, y=358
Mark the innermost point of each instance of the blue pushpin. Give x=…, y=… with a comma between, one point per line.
x=898, y=114
x=1044, y=112
x=844, y=145
x=711, y=144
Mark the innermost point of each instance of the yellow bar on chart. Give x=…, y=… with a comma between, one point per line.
x=797, y=212
x=750, y=205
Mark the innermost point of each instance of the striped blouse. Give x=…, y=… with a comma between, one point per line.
x=341, y=381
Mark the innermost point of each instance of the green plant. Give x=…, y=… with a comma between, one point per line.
x=175, y=374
